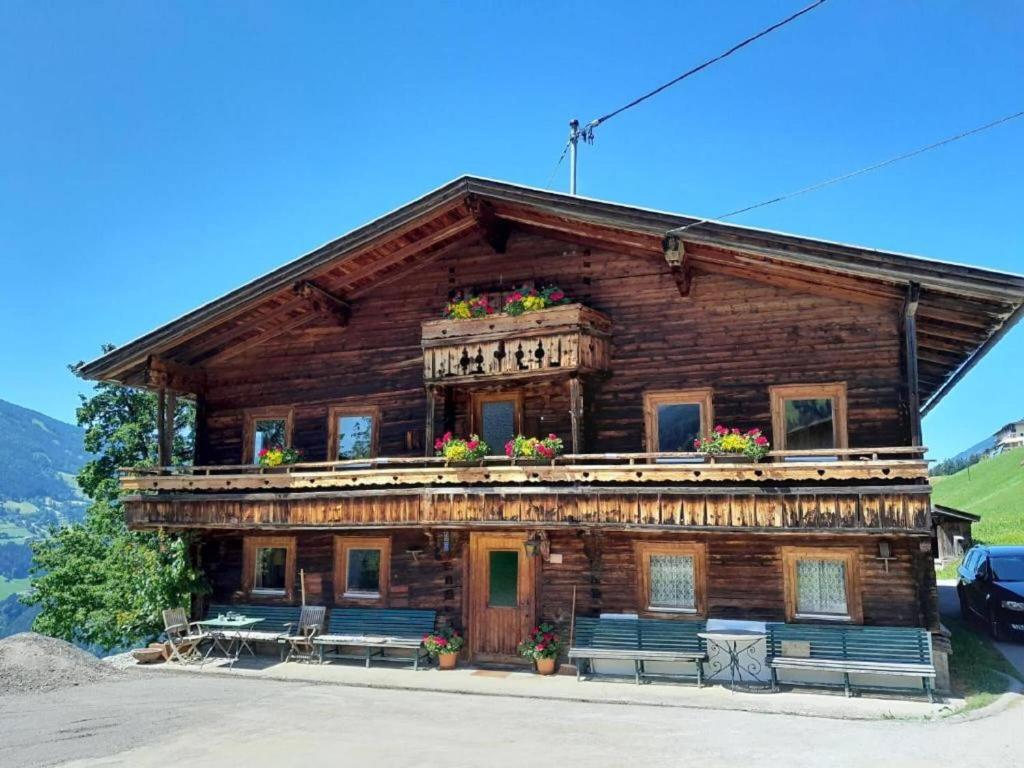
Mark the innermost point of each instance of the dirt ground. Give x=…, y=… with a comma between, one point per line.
x=218, y=721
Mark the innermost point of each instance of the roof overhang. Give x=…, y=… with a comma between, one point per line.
x=961, y=313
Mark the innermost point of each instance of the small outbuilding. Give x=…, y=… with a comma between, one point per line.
x=951, y=532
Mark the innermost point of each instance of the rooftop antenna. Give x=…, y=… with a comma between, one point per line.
x=575, y=135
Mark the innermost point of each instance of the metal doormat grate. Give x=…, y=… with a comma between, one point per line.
x=490, y=673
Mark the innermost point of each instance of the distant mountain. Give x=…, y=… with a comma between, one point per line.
x=39, y=459
x=977, y=448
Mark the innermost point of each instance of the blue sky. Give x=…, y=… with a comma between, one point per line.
x=154, y=155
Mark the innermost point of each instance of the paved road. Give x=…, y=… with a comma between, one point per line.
x=950, y=606
x=205, y=721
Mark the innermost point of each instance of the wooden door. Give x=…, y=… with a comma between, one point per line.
x=502, y=595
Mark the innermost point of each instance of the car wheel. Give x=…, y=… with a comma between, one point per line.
x=965, y=612
x=994, y=627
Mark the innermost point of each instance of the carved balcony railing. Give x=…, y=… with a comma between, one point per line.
x=565, y=339
x=849, y=490
x=853, y=464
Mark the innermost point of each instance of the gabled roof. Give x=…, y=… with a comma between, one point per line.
x=961, y=313
x=939, y=510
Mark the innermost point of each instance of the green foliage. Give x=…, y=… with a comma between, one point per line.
x=96, y=582
x=976, y=666
x=994, y=489
x=543, y=642
x=954, y=465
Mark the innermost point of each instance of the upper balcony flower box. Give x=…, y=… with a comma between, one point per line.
x=566, y=339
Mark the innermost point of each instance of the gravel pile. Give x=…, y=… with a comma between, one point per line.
x=30, y=663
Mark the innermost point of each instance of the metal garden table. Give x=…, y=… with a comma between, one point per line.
x=738, y=645
x=226, y=634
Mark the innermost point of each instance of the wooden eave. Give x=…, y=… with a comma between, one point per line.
x=962, y=310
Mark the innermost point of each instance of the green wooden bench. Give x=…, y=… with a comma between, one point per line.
x=376, y=630
x=638, y=641
x=897, y=651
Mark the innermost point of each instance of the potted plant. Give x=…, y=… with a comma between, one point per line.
x=532, y=299
x=543, y=645
x=444, y=645
x=461, y=452
x=276, y=456
x=733, y=444
x=464, y=306
x=534, y=450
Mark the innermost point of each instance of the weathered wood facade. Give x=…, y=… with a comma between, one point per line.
x=738, y=320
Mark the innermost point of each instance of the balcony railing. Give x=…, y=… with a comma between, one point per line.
x=566, y=339
x=820, y=466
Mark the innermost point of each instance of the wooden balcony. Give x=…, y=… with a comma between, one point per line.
x=872, y=464
x=566, y=339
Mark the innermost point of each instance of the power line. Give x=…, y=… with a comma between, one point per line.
x=589, y=128
x=866, y=169
x=558, y=164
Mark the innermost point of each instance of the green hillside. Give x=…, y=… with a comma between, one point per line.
x=992, y=488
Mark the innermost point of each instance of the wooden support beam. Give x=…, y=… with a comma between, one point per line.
x=244, y=346
x=576, y=413
x=176, y=377
x=428, y=430
x=161, y=427
x=324, y=301
x=495, y=230
x=682, y=269
x=910, y=353
x=200, y=433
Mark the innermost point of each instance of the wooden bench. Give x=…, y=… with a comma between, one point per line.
x=376, y=630
x=897, y=651
x=638, y=641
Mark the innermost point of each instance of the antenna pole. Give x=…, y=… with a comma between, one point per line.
x=574, y=136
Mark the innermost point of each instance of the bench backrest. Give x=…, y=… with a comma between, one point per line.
x=903, y=645
x=384, y=622
x=274, y=616
x=607, y=634
x=670, y=635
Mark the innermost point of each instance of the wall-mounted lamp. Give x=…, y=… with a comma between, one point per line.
x=537, y=544
x=885, y=553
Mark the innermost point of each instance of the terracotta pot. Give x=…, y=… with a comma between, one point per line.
x=447, y=660
x=546, y=666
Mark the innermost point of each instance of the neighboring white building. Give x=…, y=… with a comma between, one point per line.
x=1010, y=436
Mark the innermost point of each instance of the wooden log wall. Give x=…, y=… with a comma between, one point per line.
x=734, y=335
x=745, y=574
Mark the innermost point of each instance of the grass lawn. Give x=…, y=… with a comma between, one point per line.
x=974, y=663
x=992, y=488
x=8, y=588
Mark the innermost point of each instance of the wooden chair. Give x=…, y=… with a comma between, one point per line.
x=183, y=636
x=298, y=639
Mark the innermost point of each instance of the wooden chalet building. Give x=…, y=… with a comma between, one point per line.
x=678, y=324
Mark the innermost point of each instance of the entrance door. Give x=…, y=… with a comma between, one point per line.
x=501, y=595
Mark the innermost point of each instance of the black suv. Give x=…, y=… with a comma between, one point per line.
x=991, y=587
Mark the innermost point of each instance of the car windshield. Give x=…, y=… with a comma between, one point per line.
x=1008, y=568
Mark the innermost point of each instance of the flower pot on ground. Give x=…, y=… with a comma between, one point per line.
x=459, y=452
x=543, y=645
x=546, y=666
x=444, y=645
x=534, y=450
x=731, y=445
x=447, y=660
